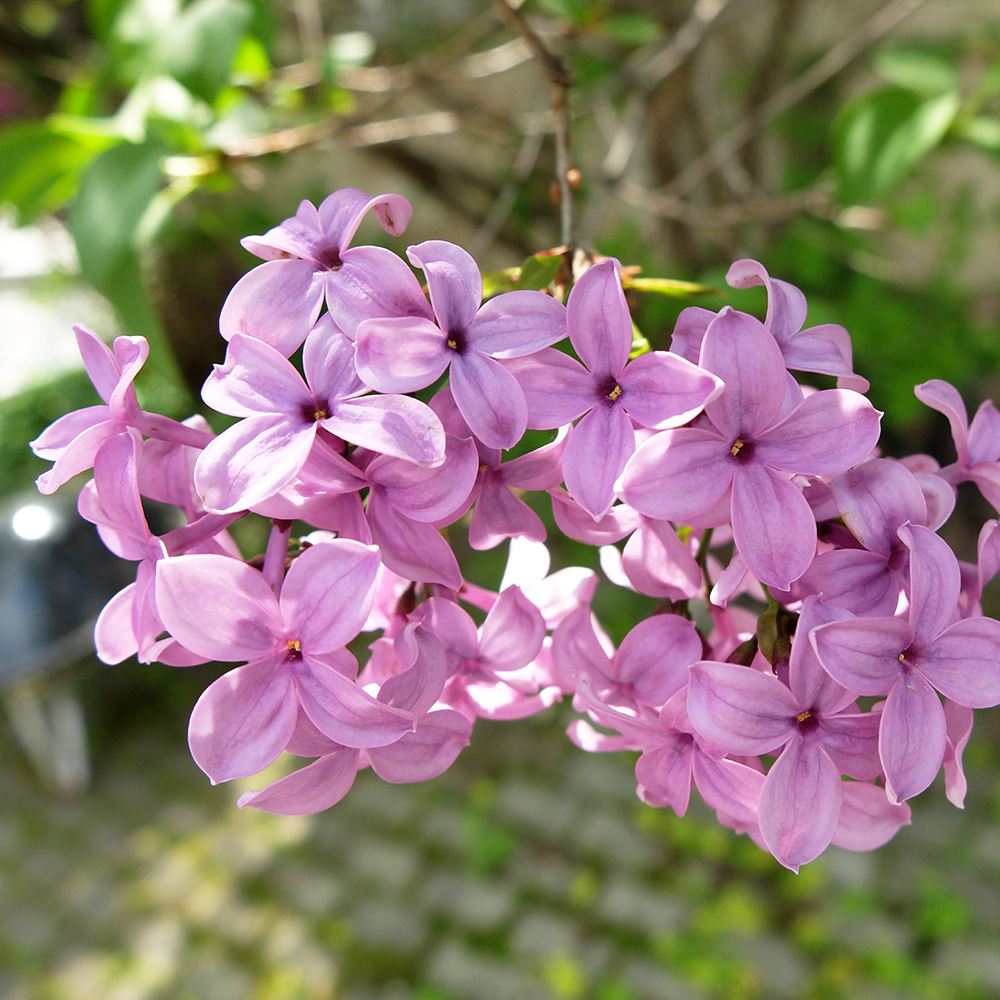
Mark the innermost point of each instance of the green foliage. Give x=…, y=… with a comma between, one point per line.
x=880, y=137
x=40, y=169
x=203, y=43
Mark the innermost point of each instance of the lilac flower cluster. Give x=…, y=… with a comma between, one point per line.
x=728, y=478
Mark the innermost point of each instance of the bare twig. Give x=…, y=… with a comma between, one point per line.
x=558, y=76
x=526, y=158
x=370, y=134
x=652, y=73
x=817, y=199
x=817, y=74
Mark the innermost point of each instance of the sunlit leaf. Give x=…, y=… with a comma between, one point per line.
x=640, y=345
x=668, y=286
x=116, y=191
x=882, y=135
x=201, y=49
x=984, y=132
x=632, y=30
x=250, y=66
x=39, y=169
x=537, y=271
x=925, y=71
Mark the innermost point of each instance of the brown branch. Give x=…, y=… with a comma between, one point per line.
x=817, y=199
x=560, y=80
x=817, y=74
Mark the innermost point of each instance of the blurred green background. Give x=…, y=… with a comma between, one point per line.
x=853, y=148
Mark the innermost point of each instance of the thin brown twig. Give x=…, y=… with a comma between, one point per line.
x=559, y=79
x=817, y=74
x=817, y=199
x=649, y=76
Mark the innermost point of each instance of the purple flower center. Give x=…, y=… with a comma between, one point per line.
x=807, y=722
x=329, y=258
x=609, y=391
x=294, y=650
x=314, y=412
x=457, y=341
x=742, y=451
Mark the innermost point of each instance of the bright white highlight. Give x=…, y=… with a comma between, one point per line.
x=32, y=522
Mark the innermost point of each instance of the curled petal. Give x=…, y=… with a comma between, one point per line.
x=425, y=753
x=867, y=818
x=255, y=379
x=935, y=581
x=310, y=789
x=945, y=398
x=665, y=773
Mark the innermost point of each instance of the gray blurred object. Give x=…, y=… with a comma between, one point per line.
x=55, y=576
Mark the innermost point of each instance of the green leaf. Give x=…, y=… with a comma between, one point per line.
x=923, y=70
x=39, y=169
x=101, y=14
x=116, y=191
x=201, y=49
x=632, y=30
x=537, y=272
x=984, y=132
x=669, y=287
x=640, y=345
x=495, y=282
x=883, y=135
x=251, y=66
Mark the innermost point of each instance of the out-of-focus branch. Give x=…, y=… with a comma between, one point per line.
x=817, y=199
x=817, y=74
x=649, y=75
x=558, y=76
x=370, y=134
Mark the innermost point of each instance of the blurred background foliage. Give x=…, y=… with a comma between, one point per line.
x=853, y=148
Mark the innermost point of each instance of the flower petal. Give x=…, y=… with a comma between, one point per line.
x=310, y=789
x=277, y=302
x=243, y=721
x=600, y=327
x=490, y=399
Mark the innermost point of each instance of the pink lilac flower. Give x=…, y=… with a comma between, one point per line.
x=812, y=723
x=223, y=609
x=73, y=441
x=909, y=661
x=309, y=259
x=609, y=392
x=977, y=444
x=874, y=499
x=438, y=735
x=130, y=623
x=744, y=446
x=262, y=454
x=404, y=354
